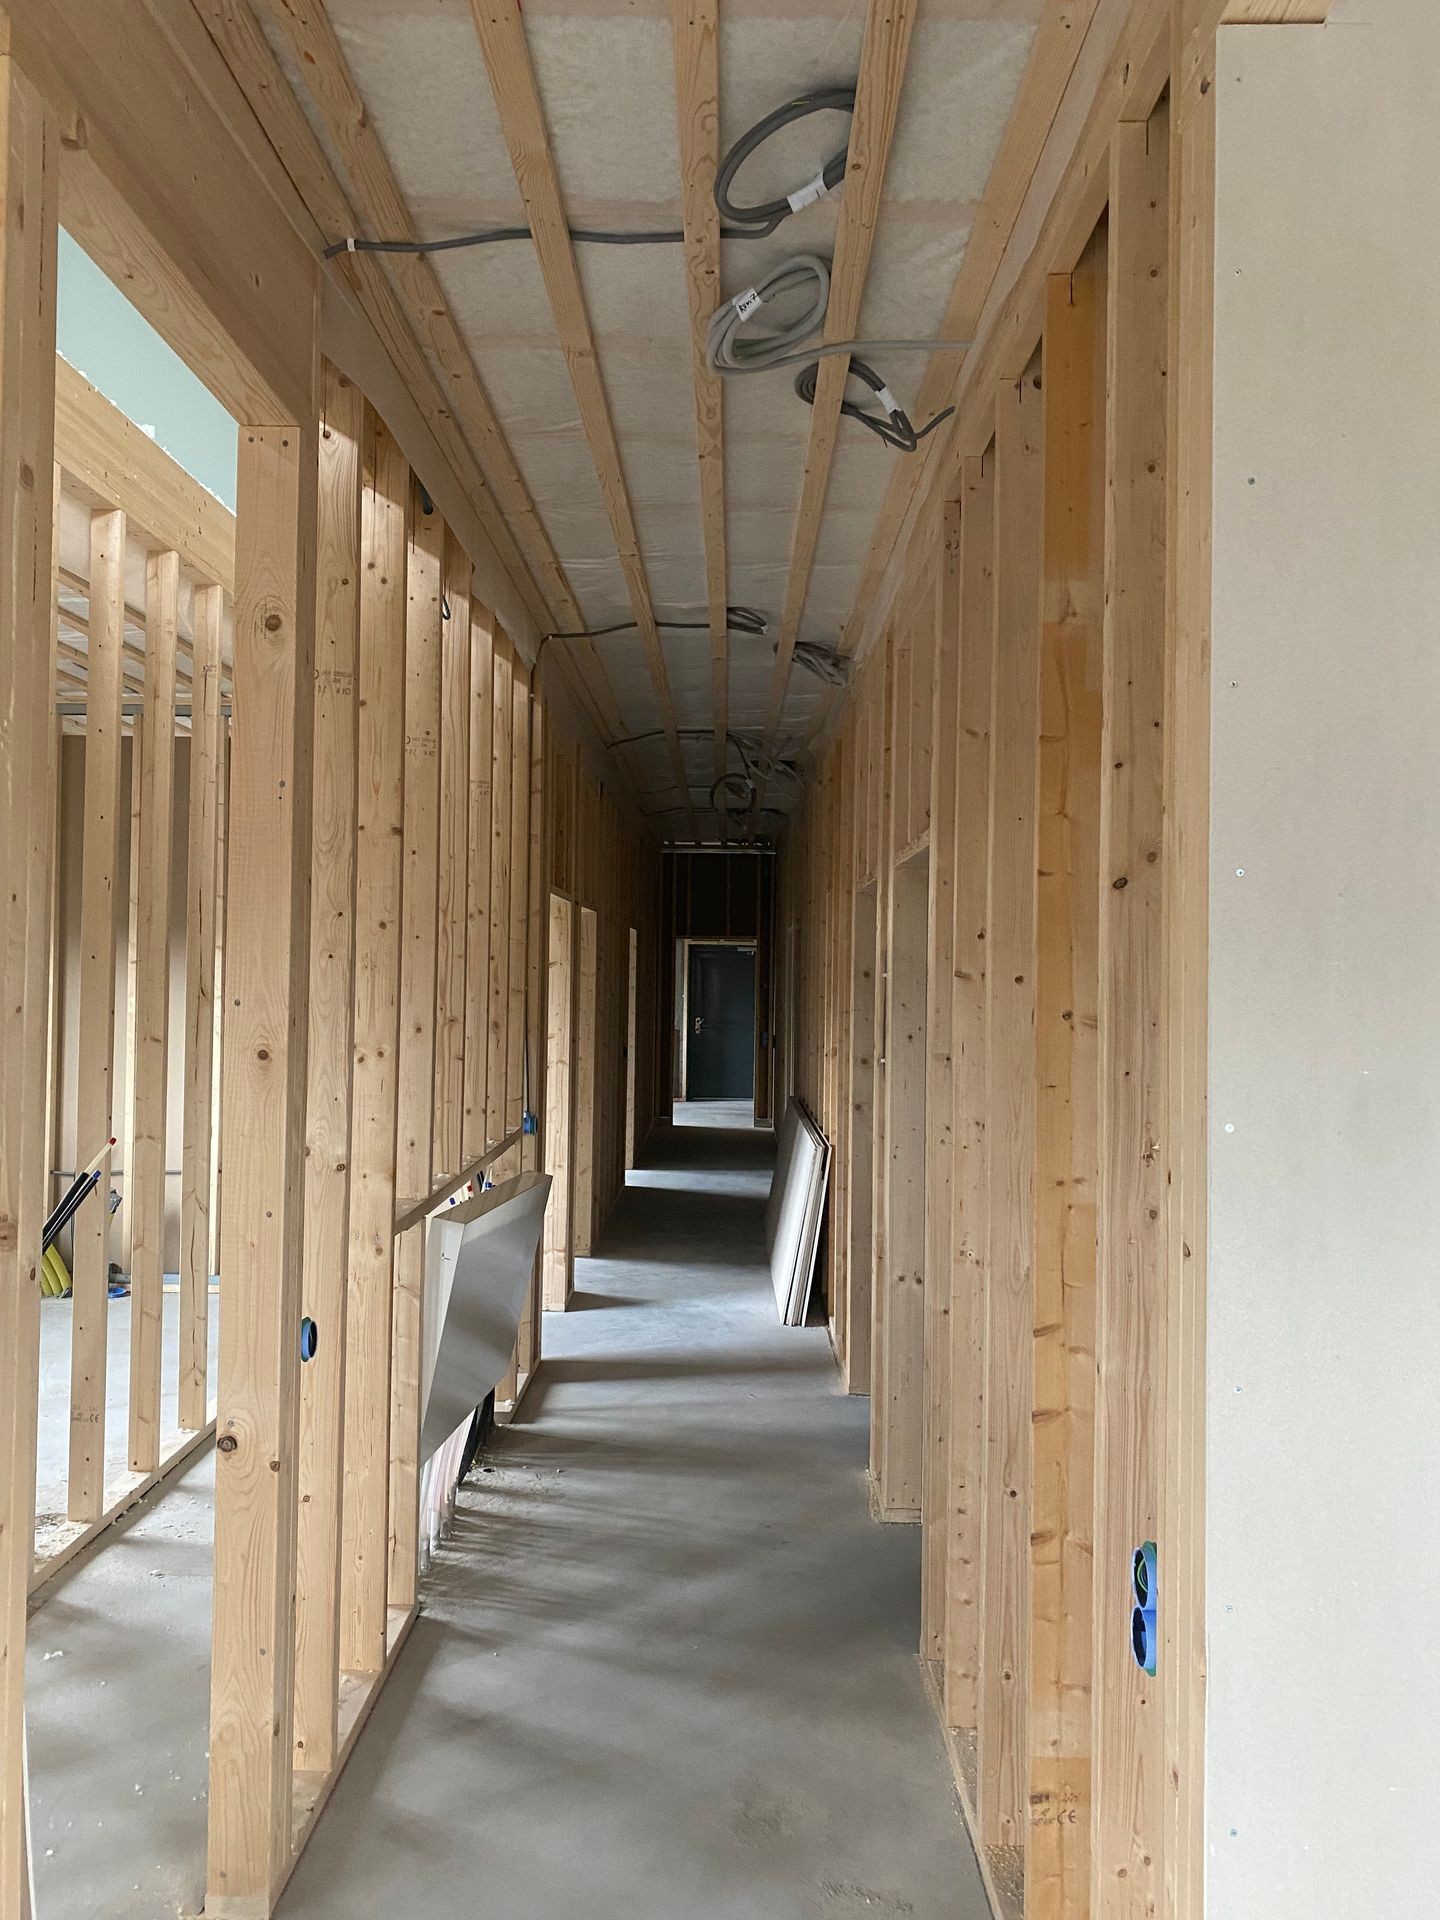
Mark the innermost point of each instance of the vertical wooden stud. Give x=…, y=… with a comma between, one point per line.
x=1010, y=1109
x=477, y=938
x=384, y=540
x=450, y=982
x=29, y=199
x=145, y=1171
x=202, y=879
x=1130, y=1346
x=1057, y=1863
x=94, y=1108
x=330, y=1069
x=266, y=990
x=414, y=1161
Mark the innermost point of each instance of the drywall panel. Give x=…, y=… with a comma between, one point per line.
x=1323, y=1597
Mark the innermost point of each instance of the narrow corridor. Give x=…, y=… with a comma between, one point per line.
x=667, y=1662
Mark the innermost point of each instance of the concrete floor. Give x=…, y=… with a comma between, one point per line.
x=53, y=1448
x=666, y=1665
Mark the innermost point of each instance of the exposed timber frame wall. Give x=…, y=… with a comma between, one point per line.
x=380, y=845
x=1058, y=558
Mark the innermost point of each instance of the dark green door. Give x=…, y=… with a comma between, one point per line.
x=720, y=1061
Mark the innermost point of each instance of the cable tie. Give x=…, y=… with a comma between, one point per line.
x=887, y=400
x=748, y=302
x=807, y=195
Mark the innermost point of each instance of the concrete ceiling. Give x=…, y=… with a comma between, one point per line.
x=606, y=75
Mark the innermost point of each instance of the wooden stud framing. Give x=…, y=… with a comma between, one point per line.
x=969, y=1232
x=94, y=1106
x=145, y=1170
x=1130, y=1349
x=559, y=1082
x=1010, y=1111
x=478, y=895
x=414, y=1163
x=522, y=119
x=202, y=886
x=695, y=31
x=502, y=767
x=455, y=770
x=29, y=198
x=1057, y=1866
x=384, y=539
x=330, y=1071
x=266, y=990
x=883, y=56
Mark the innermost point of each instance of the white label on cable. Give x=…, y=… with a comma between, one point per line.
x=807, y=195
x=887, y=400
x=748, y=302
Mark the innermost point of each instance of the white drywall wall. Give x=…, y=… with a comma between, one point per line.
x=1323, y=1589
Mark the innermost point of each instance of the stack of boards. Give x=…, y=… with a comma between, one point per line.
x=792, y=1217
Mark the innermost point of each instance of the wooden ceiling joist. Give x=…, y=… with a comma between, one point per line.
x=506, y=51
x=400, y=319
x=883, y=56
x=1058, y=41
x=695, y=32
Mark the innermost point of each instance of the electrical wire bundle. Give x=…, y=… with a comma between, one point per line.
x=733, y=346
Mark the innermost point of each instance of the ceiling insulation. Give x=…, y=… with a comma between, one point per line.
x=606, y=75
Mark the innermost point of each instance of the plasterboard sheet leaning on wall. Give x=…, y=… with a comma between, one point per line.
x=793, y=1213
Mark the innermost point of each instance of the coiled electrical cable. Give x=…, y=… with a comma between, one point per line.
x=768, y=214
x=892, y=424
x=826, y=665
x=725, y=349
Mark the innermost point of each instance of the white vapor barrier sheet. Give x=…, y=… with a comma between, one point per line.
x=793, y=1212
x=479, y=1258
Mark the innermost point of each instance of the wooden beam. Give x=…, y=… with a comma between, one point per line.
x=202, y=883
x=960, y=1679
x=453, y=900
x=517, y=1098
x=502, y=767
x=1185, y=969
x=505, y=507
x=94, y=1106
x=522, y=119
x=1057, y=1855
x=559, y=1084
x=1010, y=1116
x=884, y=53
x=414, y=1152
x=29, y=196
x=384, y=537
x=694, y=29
x=944, y=697
x=205, y=252
x=145, y=1169
x=1056, y=48
x=1130, y=1336
x=330, y=1069
x=103, y=451
x=262, y=1227
x=477, y=935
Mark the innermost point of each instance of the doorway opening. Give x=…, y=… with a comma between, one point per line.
x=717, y=1073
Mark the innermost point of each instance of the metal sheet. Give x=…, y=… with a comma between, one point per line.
x=479, y=1258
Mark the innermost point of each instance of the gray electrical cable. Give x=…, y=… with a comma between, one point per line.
x=727, y=352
